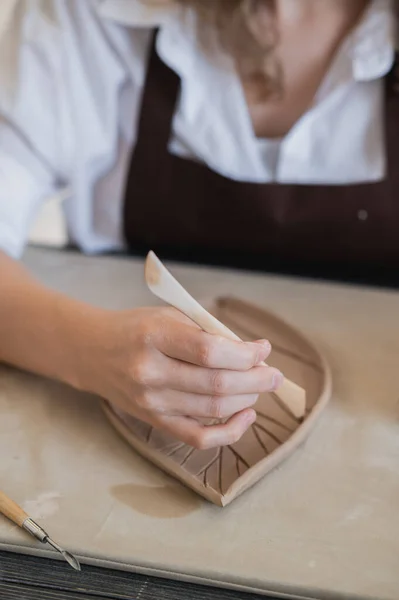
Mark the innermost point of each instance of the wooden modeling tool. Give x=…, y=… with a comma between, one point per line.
x=12, y=511
x=163, y=285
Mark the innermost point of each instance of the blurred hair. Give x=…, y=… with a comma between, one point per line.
x=246, y=30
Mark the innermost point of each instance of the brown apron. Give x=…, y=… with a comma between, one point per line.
x=182, y=209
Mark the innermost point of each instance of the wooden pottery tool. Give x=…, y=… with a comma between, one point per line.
x=162, y=283
x=17, y=515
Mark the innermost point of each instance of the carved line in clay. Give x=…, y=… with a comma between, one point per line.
x=285, y=408
x=175, y=449
x=149, y=434
x=260, y=441
x=256, y=427
x=220, y=471
x=187, y=457
x=269, y=433
x=276, y=348
x=209, y=465
x=237, y=455
x=274, y=421
x=290, y=354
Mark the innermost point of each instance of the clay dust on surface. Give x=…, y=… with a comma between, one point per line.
x=166, y=502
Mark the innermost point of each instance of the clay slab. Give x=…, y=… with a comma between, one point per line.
x=222, y=474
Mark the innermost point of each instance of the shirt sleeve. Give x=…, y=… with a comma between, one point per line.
x=25, y=183
x=30, y=146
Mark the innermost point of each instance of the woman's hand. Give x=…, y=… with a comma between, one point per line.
x=153, y=363
x=156, y=365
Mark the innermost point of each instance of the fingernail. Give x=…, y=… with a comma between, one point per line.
x=277, y=380
x=251, y=417
x=264, y=350
x=265, y=343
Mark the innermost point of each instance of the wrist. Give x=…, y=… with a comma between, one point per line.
x=82, y=333
x=43, y=331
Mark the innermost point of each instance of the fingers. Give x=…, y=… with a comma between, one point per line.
x=187, y=343
x=217, y=382
x=175, y=403
x=160, y=374
x=204, y=437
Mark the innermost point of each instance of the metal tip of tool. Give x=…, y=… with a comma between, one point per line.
x=71, y=560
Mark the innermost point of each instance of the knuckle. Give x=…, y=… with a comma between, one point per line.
x=166, y=317
x=145, y=333
x=218, y=383
x=252, y=360
x=216, y=407
x=147, y=402
x=247, y=364
x=204, y=354
x=208, y=350
x=248, y=358
x=142, y=371
x=199, y=441
x=270, y=379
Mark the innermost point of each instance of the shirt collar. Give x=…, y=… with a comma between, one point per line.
x=371, y=45
x=138, y=13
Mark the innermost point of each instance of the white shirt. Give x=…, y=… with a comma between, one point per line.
x=71, y=80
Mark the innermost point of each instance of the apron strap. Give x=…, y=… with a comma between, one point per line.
x=158, y=104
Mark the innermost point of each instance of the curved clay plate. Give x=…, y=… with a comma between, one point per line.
x=222, y=474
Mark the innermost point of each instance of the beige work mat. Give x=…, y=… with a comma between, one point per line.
x=323, y=524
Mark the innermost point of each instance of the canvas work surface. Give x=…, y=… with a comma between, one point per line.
x=321, y=524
